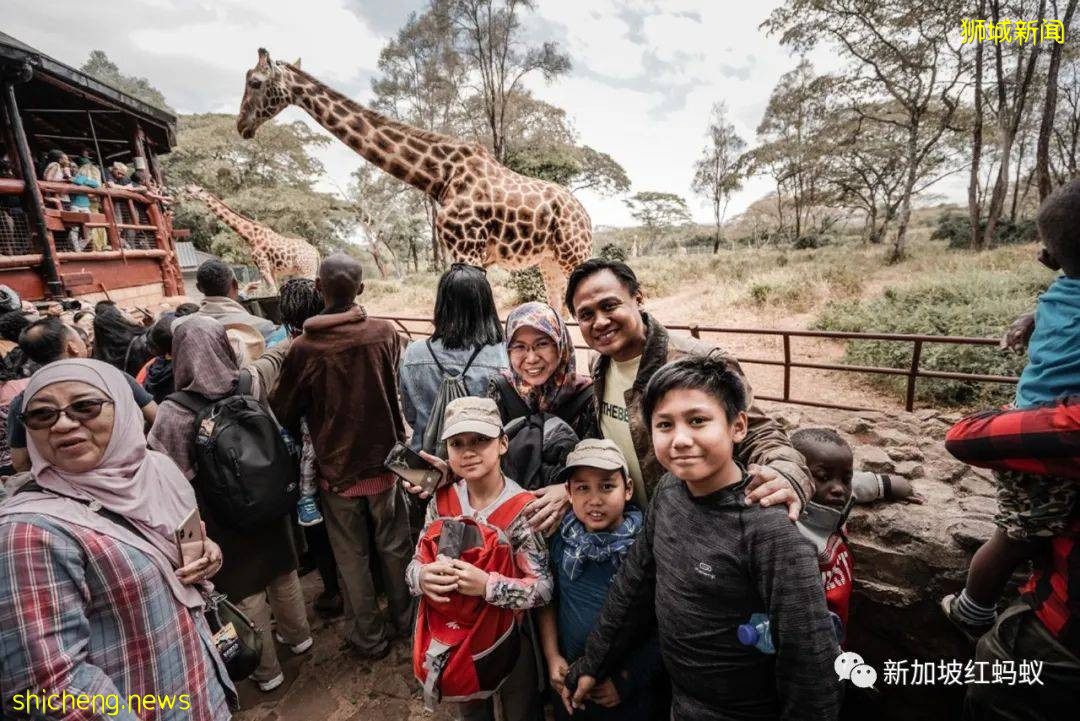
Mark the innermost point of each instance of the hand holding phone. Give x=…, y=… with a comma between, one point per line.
x=407, y=464
x=189, y=538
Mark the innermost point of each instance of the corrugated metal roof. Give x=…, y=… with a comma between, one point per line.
x=190, y=258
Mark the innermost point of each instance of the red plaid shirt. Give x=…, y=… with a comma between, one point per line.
x=83, y=613
x=1044, y=440
x=1048, y=588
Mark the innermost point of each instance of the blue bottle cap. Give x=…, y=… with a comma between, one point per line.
x=748, y=635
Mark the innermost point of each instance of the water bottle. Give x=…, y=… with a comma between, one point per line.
x=756, y=632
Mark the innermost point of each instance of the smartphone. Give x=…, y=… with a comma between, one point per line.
x=407, y=464
x=189, y=538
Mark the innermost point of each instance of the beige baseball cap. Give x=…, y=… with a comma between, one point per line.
x=594, y=453
x=472, y=415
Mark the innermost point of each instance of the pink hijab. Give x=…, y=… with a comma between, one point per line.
x=143, y=486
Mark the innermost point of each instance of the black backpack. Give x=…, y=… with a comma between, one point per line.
x=247, y=474
x=538, y=442
x=452, y=387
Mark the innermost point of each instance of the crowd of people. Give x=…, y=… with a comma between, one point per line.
x=639, y=541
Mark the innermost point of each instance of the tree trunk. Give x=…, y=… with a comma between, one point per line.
x=900, y=243
x=1046, y=126
x=716, y=217
x=1016, y=183
x=974, y=211
x=871, y=223
x=374, y=250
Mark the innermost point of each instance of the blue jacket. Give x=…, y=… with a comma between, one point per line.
x=1053, y=368
x=420, y=378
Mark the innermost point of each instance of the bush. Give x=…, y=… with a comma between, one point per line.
x=611, y=251
x=810, y=240
x=956, y=229
x=528, y=285
x=976, y=302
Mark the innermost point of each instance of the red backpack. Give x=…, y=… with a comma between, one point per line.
x=465, y=648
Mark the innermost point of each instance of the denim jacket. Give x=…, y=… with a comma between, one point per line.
x=420, y=378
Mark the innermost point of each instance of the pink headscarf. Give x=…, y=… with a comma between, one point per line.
x=143, y=486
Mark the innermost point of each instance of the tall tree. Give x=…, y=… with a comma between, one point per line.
x=657, y=212
x=1042, y=153
x=489, y=36
x=99, y=66
x=717, y=173
x=1012, y=86
x=974, y=202
x=899, y=50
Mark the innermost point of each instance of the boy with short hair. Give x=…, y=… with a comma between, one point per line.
x=1035, y=437
x=706, y=562
x=586, y=551
x=836, y=483
x=472, y=602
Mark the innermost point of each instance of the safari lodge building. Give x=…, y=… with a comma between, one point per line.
x=44, y=249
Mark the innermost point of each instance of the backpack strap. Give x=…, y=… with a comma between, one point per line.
x=32, y=486
x=244, y=382
x=471, y=359
x=513, y=405
x=570, y=411
x=447, y=503
x=194, y=402
x=439, y=365
x=511, y=508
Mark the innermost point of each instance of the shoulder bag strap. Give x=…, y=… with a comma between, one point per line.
x=191, y=401
x=433, y=357
x=244, y=383
x=446, y=502
x=570, y=411
x=511, y=401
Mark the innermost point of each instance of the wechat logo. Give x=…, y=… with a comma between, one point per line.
x=849, y=666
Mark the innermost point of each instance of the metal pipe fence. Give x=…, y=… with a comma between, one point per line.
x=913, y=372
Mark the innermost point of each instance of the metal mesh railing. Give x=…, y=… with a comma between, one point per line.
x=15, y=235
x=132, y=238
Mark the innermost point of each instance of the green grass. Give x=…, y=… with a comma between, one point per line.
x=952, y=293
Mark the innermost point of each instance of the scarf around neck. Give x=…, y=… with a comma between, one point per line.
x=582, y=545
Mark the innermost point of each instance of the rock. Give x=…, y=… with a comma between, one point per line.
x=889, y=436
x=872, y=458
x=854, y=426
x=971, y=533
x=910, y=469
x=905, y=453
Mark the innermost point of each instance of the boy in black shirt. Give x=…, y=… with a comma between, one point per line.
x=706, y=562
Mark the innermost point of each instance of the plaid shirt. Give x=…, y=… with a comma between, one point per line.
x=1044, y=440
x=82, y=612
x=1052, y=591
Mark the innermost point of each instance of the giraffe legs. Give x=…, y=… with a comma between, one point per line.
x=554, y=284
x=267, y=274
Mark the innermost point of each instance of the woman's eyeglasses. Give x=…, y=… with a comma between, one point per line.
x=39, y=419
x=520, y=349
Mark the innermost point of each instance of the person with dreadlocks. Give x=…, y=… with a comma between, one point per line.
x=119, y=341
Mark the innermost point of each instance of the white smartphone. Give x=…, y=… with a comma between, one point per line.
x=189, y=538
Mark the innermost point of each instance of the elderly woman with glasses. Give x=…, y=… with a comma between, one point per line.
x=94, y=598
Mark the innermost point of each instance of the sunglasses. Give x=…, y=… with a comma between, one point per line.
x=88, y=409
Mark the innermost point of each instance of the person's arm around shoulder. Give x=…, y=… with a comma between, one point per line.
x=289, y=399
x=784, y=567
x=51, y=653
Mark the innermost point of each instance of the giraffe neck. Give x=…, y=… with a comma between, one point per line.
x=241, y=225
x=424, y=160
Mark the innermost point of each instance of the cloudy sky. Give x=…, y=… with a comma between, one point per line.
x=645, y=72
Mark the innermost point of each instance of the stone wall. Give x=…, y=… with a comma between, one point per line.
x=907, y=556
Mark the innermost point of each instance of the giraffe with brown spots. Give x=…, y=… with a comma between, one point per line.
x=274, y=255
x=486, y=213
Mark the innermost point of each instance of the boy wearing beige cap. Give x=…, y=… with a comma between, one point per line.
x=484, y=498
x=586, y=551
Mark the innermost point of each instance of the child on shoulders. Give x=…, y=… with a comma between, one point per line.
x=477, y=566
x=1031, y=447
x=706, y=562
x=586, y=551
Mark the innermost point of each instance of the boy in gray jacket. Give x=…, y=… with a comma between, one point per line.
x=706, y=562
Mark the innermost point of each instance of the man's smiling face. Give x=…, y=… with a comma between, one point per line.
x=609, y=316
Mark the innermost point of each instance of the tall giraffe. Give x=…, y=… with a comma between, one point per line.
x=486, y=213
x=274, y=254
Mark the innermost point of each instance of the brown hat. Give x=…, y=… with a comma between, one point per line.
x=593, y=453
x=472, y=415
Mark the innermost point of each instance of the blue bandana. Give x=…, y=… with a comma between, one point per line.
x=582, y=545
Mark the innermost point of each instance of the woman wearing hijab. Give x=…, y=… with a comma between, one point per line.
x=92, y=595
x=259, y=563
x=543, y=378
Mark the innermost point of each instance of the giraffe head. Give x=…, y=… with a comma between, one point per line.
x=192, y=191
x=266, y=93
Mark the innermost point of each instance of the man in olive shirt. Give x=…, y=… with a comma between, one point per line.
x=605, y=298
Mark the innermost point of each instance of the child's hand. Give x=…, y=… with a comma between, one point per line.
x=769, y=488
x=584, y=686
x=547, y=511
x=605, y=694
x=437, y=580
x=1019, y=333
x=471, y=581
x=903, y=490
x=557, y=668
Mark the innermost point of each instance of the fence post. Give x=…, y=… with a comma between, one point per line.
x=695, y=332
x=787, y=366
x=916, y=354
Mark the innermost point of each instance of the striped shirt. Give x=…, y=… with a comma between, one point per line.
x=84, y=613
